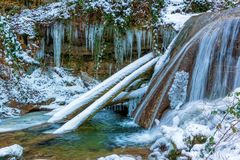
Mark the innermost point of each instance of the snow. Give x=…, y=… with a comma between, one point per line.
x=103, y=100
x=24, y=23
x=40, y=86
x=173, y=14
x=12, y=151
x=11, y=46
x=99, y=89
x=112, y=8
x=178, y=127
x=178, y=91
x=119, y=157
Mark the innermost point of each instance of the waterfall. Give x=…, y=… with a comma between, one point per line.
x=210, y=56
x=237, y=75
x=58, y=35
x=217, y=65
x=132, y=104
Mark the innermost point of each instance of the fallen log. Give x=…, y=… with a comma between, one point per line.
x=105, y=99
x=126, y=96
x=90, y=96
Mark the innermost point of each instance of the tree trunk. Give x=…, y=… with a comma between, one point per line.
x=126, y=96
x=105, y=99
x=90, y=96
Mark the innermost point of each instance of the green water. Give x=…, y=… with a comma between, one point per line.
x=94, y=139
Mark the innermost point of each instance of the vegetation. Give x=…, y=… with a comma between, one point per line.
x=123, y=14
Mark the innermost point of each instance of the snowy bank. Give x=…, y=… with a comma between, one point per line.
x=11, y=151
x=24, y=23
x=197, y=130
x=45, y=89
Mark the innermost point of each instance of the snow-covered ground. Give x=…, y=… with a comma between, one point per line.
x=24, y=23
x=193, y=130
x=12, y=48
x=174, y=11
x=41, y=86
x=173, y=14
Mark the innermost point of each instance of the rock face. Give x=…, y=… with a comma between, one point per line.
x=208, y=49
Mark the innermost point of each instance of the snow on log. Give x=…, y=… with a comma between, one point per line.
x=90, y=96
x=11, y=151
x=125, y=96
x=105, y=99
x=165, y=57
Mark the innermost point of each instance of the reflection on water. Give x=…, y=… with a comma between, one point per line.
x=99, y=137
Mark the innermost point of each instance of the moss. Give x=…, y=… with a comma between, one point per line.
x=198, y=7
x=195, y=140
x=174, y=154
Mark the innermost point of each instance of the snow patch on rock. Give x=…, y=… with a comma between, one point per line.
x=11, y=151
x=120, y=157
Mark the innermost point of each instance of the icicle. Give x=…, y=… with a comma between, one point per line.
x=144, y=38
x=86, y=35
x=48, y=35
x=93, y=35
x=167, y=37
x=132, y=105
x=41, y=52
x=119, y=47
x=110, y=70
x=58, y=34
x=149, y=39
x=139, y=41
x=130, y=43
x=76, y=34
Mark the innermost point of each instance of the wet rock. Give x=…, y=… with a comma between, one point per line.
x=184, y=56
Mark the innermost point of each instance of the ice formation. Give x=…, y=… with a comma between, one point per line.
x=178, y=92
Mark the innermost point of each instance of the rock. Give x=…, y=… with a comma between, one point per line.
x=189, y=49
x=120, y=157
x=14, y=151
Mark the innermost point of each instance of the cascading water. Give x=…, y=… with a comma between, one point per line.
x=209, y=53
x=237, y=74
x=217, y=61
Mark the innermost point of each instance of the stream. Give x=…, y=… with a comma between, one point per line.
x=98, y=137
